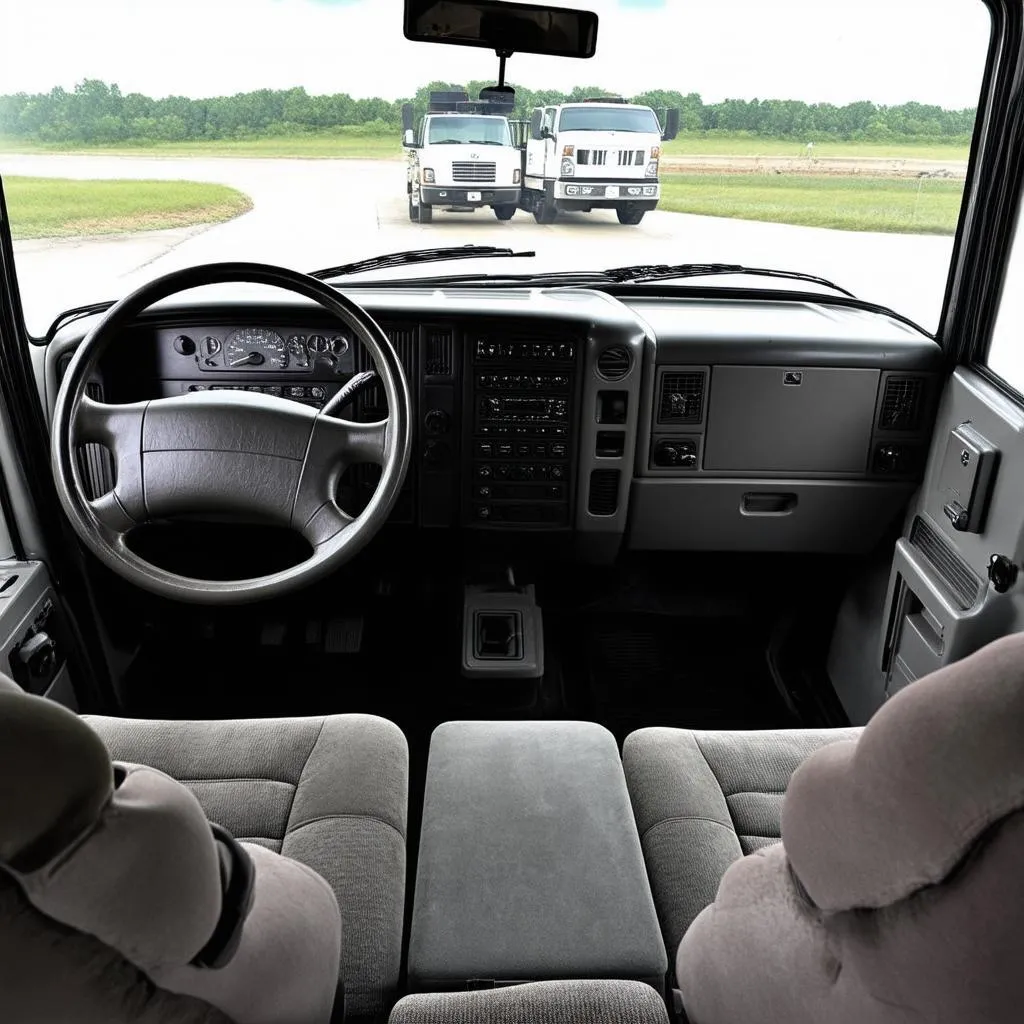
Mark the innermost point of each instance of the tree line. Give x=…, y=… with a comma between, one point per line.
x=98, y=113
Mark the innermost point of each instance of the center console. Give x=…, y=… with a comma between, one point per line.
x=521, y=409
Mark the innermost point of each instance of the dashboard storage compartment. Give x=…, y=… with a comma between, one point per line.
x=765, y=419
x=530, y=865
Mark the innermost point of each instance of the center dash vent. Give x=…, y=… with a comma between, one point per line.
x=682, y=397
x=613, y=363
x=954, y=572
x=603, y=498
x=370, y=404
x=901, y=404
x=438, y=357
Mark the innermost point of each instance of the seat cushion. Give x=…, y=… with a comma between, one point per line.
x=542, y=1002
x=704, y=799
x=331, y=792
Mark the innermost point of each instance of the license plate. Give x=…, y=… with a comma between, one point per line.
x=612, y=191
x=472, y=197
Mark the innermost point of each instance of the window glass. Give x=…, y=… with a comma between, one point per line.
x=1006, y=352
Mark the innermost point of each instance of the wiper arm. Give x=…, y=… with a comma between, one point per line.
x=665, y=271
x=410, y=256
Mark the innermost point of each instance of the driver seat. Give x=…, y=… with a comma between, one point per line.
x=330, y=792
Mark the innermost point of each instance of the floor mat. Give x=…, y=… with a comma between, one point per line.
x=639, y=670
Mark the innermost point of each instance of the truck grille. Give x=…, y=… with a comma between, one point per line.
x=473, y=170
x=594, y=157
x=631, y=157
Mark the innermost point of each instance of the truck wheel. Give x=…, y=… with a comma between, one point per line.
x=425, y=213
x=629, y=215
x=505, y=212
x=545, y=212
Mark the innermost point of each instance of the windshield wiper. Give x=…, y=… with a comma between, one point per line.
x=664, y=271
x=410, y=256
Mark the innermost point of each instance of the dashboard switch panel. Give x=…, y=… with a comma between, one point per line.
x=521, y=432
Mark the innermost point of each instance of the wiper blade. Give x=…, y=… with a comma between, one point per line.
x=411, y=256
x=665, y=271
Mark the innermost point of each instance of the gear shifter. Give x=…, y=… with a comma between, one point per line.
x=352, y=387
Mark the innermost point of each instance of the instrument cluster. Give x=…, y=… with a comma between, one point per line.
x=246, y=348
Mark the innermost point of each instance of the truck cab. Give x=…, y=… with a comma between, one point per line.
x=461, y=158
x=598, y=154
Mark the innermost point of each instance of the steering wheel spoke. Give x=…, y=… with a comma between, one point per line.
x=326, y=523
x=364, y=442
x=109, y=425
x=111, y=515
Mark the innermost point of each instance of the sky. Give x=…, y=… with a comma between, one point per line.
x=837, y=51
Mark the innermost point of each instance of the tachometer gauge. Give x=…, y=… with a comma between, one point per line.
x=255, y=346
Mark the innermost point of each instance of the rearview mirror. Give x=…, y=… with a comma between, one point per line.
x=504, y=27
x=409, y=139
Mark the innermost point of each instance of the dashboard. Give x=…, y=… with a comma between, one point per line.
x=654, y=422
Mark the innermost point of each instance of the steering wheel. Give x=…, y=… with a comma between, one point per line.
x=254, y=456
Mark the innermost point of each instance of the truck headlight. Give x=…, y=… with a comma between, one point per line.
x=652, y=169
x=517, y=176
x=568, y=168
x=428, y=175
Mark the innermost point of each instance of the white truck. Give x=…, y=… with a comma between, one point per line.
x=598, y=154
x=461, y=157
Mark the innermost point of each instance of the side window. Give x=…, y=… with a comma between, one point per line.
x=1006, y=351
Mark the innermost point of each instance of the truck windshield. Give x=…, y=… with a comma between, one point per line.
x=609, y=119
x=478, y=131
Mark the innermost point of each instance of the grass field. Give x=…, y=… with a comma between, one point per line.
x=353, y=146
x=854, y=204
x=57, y=207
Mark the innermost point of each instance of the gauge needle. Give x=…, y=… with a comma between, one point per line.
x=250, y=358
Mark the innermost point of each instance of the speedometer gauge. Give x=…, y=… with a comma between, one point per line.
x=256, y=346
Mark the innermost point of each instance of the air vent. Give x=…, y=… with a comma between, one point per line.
x=439, y=353
x=370, y=405
x=682, y=397
x=901, y=404
x=614, y=363
x=954, y=572
x=95, y=463
x=603, y=499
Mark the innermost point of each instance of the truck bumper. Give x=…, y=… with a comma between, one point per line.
x=603, y=193
x=435, y=195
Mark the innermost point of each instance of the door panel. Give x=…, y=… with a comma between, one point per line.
x=33, y=632
x=939, y=603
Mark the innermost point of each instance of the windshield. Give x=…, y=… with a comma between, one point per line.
x=829, y=138
x=483, y=131
x=608, y=119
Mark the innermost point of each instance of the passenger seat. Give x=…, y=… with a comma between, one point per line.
x=895, y=893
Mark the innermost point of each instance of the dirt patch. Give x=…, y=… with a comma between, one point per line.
x=868, y=167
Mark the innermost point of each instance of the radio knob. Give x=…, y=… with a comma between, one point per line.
x=484, y=472
x=437, y=421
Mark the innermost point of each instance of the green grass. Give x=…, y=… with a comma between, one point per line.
x=326, y=146
x=58, y=207
x=352, y=145
x=713, y=144
x=853, y=204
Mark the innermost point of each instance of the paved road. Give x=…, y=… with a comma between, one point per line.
x=312, y=213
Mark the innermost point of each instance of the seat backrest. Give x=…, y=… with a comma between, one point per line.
x=113, y=864
x=897, y=893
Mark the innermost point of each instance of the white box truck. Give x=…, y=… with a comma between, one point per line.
x=461, y=157
x=599, y=154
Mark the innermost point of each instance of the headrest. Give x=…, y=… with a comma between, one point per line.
x=55, y=778
x=867, y=823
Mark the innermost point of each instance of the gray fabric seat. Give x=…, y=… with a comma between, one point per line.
x=330, y=792
x=705, y=799
x=542, y=1002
